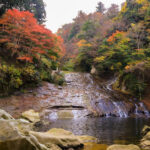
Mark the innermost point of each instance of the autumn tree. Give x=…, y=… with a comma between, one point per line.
x=113, y=11
x=34, y=6
x=28, y=50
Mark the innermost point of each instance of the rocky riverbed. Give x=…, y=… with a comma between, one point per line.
x=19, y=134
x=81, y=96
x=79, y=107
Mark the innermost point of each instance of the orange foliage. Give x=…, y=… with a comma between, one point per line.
x=21, y=29
x=113, y=36
x=25, y=58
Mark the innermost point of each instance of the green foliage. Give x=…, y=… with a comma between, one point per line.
x=69, y=66
x=30, y=75
x=88, y=30
x=12, y=78
x=58, y=78
x=114, y=43
x=75, y=29
x=84, y=60
x=133, y=84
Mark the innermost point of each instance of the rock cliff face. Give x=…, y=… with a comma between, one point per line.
x=81, y=96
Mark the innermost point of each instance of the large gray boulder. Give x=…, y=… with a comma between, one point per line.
x=15, y=136
x=123, y=147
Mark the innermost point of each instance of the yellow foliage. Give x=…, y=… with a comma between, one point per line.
x=83, y=43
x=124, y=7
x=112, y=68
x=99, y=59
x=141, y=1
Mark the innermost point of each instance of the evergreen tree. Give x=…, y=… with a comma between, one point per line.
x=100, y=8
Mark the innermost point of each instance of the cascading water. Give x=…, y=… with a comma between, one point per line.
x=146, y=112
x=120, y=110
x=108, y=105
x=140, y=108
x=136, y=109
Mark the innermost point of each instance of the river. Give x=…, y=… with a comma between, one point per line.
x=84, y=106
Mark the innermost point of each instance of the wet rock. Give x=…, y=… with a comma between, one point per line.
x=145, y=145
x=123, y=147
x=88, y=139
x=14, y=135
x=145, y=130
x=145, y=142
x=60, y=137
x=31, y=115
x=23, y=120
x=65, y=114
x=93, y=70
x=5, y=115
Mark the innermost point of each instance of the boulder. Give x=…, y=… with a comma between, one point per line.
x=93, y=70
x=60, y=137
x=5, y=115
x=145, y=142
x=145, y=145
x=145, y=130
x=13, y=135
x=123, y=147
x=87, y=139
x=31, y=115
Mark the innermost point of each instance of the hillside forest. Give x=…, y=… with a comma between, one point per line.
x=114, y=41
x=28, y=50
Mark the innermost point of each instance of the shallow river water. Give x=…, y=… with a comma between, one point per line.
x=108, y=130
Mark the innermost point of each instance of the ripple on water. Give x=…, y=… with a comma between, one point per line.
x=108, y=130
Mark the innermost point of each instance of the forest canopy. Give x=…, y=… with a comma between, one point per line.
x=113, y=41
x=28, y=51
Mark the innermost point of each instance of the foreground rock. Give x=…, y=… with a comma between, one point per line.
x=18, y=135
x=60, y=137
x=31, y=115
x=14, y=135
x=123, y=147
x=145, y=142
x=5, y=115
x=88, y=139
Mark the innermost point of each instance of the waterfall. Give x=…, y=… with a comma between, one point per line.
x=146, y=112
x=121, y=112
x=136, y=109
x=140, y=109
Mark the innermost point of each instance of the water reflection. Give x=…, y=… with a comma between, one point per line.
x=107, y=130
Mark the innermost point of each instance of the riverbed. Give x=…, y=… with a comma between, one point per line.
x=84, y=106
